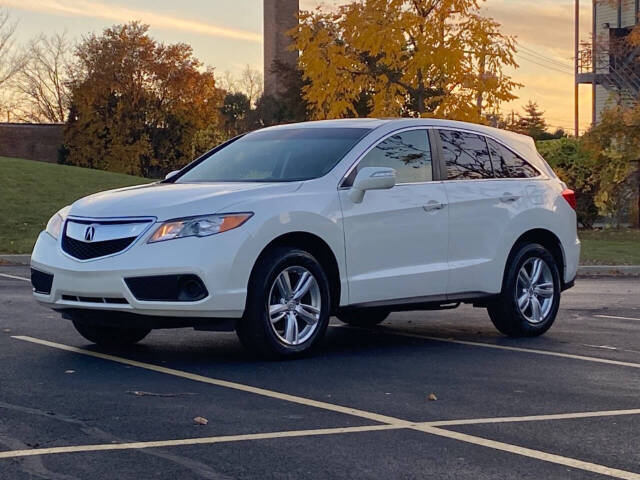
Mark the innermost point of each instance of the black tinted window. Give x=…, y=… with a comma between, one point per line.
x=507, y=164
x=279, y=155
x=407, y=152
x=466, y=155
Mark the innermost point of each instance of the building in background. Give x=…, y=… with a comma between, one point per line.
x=607, y=63
x=280, y=16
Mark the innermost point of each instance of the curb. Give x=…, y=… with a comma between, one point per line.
x=15, y=259
x=583, y=270
x=609, y=270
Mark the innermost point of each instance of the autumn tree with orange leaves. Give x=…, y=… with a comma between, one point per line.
x=139, y=106
x=438, y=58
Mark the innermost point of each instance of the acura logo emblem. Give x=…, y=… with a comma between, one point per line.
x=89, y=233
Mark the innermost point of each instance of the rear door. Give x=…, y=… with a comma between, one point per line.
x=396, y=240
x=481, y=208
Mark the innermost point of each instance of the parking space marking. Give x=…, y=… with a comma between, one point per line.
x=536, y=454
x=391, y=422
x=617, y=318
x=504, y=347
x=223, y=383
x=14, y=277
x=533, y=418
x=194, y=441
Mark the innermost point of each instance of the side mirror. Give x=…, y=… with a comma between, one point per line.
x=371, y=178
x=170, y=174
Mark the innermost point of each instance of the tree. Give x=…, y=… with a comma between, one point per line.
x=11, y=60
x=235, y=108
x=615, y=142
x=138, y=106
x=400, y=57
x=250, y=83
x=43, y=80
x=578, y=167
x=532, y=123
x=289, y=106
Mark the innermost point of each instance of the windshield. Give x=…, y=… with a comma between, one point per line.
x=280, y=155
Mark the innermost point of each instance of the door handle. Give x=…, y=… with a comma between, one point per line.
x=433, y=206
x=509, y=197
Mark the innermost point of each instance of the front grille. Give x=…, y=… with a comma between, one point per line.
x=41, y=281
x=87, y=250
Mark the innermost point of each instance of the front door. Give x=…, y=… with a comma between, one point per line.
x=396, y=239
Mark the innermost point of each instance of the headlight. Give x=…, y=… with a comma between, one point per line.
x=55, y=223
x=198, y=226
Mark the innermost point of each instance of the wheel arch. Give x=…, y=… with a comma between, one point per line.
x=548, y=240
x=317, y=247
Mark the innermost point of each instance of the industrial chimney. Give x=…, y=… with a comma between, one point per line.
x=280, y=16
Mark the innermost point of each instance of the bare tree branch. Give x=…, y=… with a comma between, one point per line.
x=43, y=80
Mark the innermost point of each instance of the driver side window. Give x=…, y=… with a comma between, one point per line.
x=409, y=153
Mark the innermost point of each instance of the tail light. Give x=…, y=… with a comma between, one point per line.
x=570, y=196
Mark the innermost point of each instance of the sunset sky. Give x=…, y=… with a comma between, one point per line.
x=227, y=34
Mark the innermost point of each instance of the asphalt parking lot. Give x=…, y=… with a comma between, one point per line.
x=565, y=406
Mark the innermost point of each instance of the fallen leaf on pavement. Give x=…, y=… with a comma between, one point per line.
x=201, y=420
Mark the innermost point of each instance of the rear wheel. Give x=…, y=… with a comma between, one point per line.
x=530, y=297
x=288, y=304
x=363, y=318
x=110, y=336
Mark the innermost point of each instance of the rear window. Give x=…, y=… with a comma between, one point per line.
x=507, y=164
x=279, y=155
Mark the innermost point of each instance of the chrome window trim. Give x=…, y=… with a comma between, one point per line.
x=381, y=139
x=151, y=221
x=485, y=135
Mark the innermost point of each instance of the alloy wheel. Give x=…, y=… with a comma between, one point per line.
x=534, y=290
x=294, y=305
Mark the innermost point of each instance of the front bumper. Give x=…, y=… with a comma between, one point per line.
x=213, y=259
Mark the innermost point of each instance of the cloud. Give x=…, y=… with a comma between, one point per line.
x=547, y=23
x=95, y=9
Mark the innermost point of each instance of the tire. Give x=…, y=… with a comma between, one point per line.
x=363, y=318
x=267, y=327
x=506, y=313
x=110, y=336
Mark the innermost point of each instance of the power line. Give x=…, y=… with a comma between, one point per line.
x=521, y=55
x=531, y=57
x=546, y=58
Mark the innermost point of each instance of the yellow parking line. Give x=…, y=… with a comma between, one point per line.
x=391, y=422
x=14, y=277
x=224, y=383
x=192, y=441
x=533, y=418
x=528, y=452
x=506, y=347
x=617, y=318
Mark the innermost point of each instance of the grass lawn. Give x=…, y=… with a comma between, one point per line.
x=610, y=247
x=30, y=192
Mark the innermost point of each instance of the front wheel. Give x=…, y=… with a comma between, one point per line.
x=110, y=336
x=530, y=297
x=288, y=304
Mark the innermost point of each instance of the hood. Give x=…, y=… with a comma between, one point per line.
x=173, y=200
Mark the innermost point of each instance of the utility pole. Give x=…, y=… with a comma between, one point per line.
x=576, y=87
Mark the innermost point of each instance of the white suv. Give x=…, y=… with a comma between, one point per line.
x=274, y=231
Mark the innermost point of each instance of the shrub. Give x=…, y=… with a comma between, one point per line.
x=577, y=167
